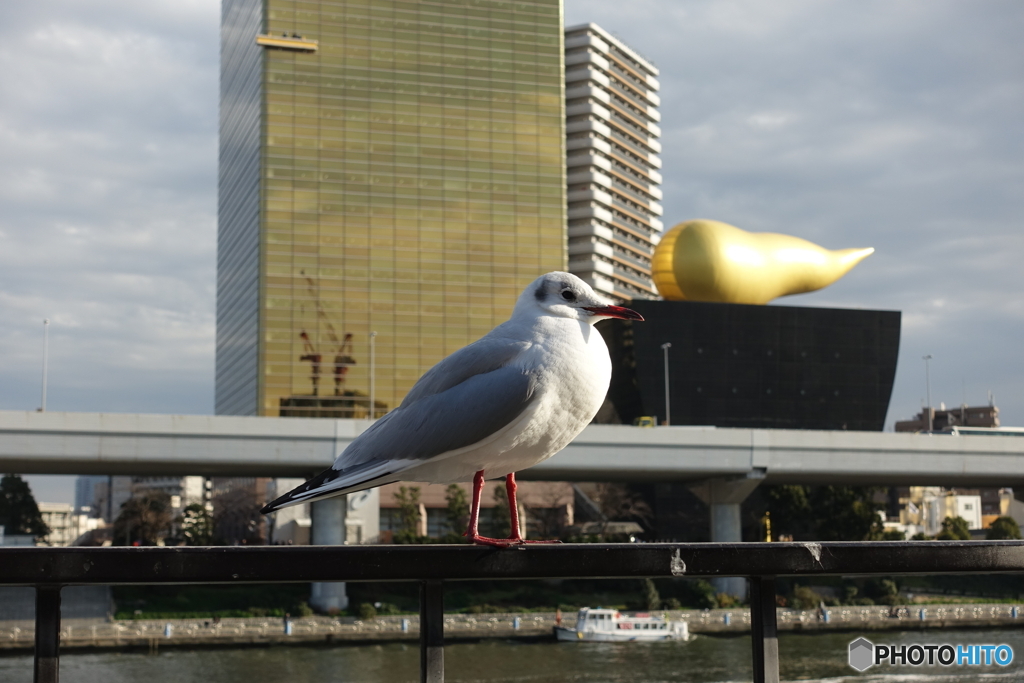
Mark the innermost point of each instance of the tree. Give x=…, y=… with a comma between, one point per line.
x=196, y=524
x=1003, y=528
x=19, y=513
x=457, y=512
x=846, y=513
x=790, y=509
x=652, y=599
x=408, y=499
x=954, y=529
x=825, y=513
x=620, y=503
x=236, y=516
x=143, y=520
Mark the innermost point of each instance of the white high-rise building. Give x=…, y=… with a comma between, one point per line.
x=611, y=163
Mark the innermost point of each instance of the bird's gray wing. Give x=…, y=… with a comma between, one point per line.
x=460, y=416
x=454, y=418
x=481, y=357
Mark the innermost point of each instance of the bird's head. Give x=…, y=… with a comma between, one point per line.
x=566, y=296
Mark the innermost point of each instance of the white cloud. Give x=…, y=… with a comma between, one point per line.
x=892, y=125
x=108, y=120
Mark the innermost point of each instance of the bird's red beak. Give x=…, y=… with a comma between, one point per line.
x=614, y=312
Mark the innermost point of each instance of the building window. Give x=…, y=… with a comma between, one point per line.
x=437, y=522
x=390, y=519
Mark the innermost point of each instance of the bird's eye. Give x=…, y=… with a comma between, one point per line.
x=568, y=295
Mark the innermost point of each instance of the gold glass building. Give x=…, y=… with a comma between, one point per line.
x=386, y=167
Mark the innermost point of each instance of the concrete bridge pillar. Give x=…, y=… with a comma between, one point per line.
x=723, y=497
x=328, y=517
x=343, y=520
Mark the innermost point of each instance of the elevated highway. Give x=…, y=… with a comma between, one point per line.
x=165, y=445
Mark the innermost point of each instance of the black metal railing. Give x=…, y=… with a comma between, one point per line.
x=48, y=569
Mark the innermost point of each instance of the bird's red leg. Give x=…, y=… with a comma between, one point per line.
x=513, y=508
x=472, y=533
x=513, y=513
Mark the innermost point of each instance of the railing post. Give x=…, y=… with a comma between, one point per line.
x=431, y=632
x=47, y=634
x=763, y=629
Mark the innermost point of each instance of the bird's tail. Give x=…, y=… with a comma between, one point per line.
x=332, y=482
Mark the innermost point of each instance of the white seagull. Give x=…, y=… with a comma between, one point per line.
x=504, y=403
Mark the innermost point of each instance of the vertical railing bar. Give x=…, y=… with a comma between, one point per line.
x=431, y=632
x=764, y=637
x=47, y=655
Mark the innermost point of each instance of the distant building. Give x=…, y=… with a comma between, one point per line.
x=927, y=507
x=943, y=418
x=236, y=503
x=754, y=367
x=110, y=493
x=86, y=493
x=66, y=523
x=545, y=509
x=60, y=518
x=612, y=148
x=181, y=491
x=290, y=525
x=394, y=169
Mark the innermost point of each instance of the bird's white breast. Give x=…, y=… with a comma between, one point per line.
x=573, y=370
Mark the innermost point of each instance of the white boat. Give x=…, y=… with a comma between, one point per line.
x=609, y=625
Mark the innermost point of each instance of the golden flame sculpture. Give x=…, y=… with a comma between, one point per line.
x=705, y=260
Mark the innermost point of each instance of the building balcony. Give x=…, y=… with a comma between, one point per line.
x=647, y=144
x=584, y=159
x=648, y=196
x=588, y=143
x=588, y=126
x=647, y=220
x=588, y=74
x=582, y=56
x=589, y=196
x=581, y=249
x=591, y=229
x=649, y=206
x=582, y=92
x=590, y=246
x=595, y=264
x=586, y=108
x=641, y=186
x=588, y=176
x=633, y=174
x=586, y=40
x=630, y=144
x=643, y=102
x=592, y=211
x=616, y=70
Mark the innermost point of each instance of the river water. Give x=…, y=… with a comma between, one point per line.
x=704, y=659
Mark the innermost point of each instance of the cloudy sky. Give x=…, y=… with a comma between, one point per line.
x=896, y=125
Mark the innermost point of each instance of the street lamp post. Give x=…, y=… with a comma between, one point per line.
x=668, y=411
x=928, y=389
x=373, y=371
x=46, y=358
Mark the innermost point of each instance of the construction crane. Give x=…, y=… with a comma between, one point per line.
x=343, y=356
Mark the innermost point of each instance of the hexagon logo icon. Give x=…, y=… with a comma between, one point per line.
x=862, y=654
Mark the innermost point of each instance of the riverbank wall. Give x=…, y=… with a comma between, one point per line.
x=155, y=634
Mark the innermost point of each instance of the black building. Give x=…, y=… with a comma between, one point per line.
x=736, y=365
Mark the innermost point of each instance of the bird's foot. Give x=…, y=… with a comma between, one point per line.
x=502, y=542
x=493, y=542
